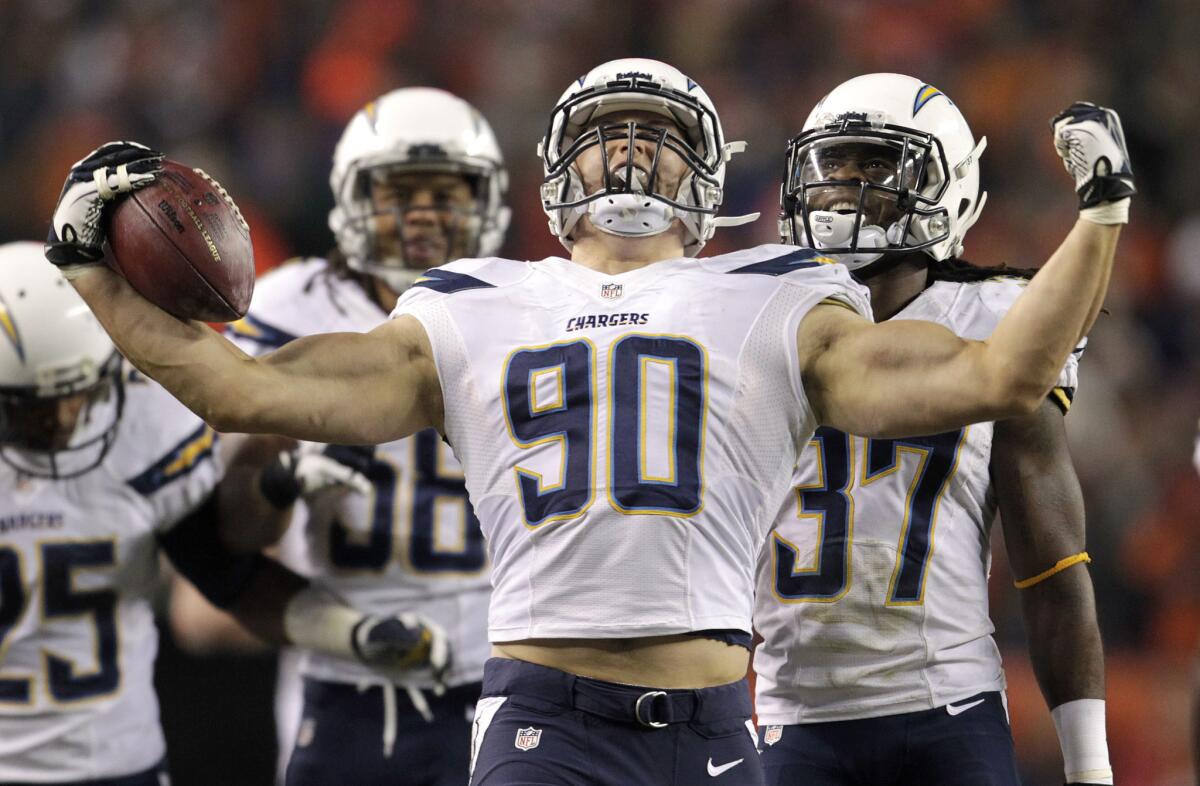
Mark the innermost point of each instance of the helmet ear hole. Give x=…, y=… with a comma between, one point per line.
x=963, y=205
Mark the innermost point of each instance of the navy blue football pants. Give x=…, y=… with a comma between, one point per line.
x=963, y=746
x=536, y=726
x=366, y=738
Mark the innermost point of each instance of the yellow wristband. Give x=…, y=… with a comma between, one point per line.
x=1059, y=567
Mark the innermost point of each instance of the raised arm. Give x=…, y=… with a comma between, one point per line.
x=901, y=378
x=353, y=388
x=345, y=387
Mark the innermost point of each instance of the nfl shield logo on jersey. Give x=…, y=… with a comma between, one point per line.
x=773, y=734
x=528, y=739
x=611, y=291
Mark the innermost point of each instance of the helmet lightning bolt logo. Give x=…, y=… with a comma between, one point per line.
x=924, y=95
x=9, y=328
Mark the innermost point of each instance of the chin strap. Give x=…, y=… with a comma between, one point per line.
x=735, y=221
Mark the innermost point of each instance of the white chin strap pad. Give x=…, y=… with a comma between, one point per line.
x=630, y=215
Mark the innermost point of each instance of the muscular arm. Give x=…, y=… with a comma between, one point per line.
x=1041, y=507
x=899, y=378
x=350, y=388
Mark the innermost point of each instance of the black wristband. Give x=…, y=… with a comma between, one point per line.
x=278, y=482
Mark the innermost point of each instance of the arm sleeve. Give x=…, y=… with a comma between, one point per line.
x=195, y=550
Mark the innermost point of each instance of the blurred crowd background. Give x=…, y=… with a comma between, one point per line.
x=258, y=92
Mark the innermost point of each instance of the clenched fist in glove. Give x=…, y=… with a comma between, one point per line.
x=1091, y=143
x=76, y=236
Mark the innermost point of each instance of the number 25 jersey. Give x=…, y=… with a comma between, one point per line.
x=625, y=437
x=79, y=564
x=872, y=590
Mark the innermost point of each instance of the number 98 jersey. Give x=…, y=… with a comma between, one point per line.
x=622, y=434
x=78, y=570
x=872, y=590
x=414, y=543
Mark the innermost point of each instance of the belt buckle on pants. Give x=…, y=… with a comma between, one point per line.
x=637, y=709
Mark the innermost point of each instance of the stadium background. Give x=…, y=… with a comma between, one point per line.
x=257, y=93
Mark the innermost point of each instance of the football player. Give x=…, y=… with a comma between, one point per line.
x=622, y=416
x=878, y=664
x=99, y=468
x=418, y=180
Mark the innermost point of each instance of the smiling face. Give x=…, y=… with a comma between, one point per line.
x=850, y=164
x=422, y=219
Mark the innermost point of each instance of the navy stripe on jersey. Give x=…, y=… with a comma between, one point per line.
x=799, y=259
x=179, y=461
x=257, y=330
x=446, y=282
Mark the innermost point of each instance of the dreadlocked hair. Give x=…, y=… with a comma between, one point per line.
x=337, y=265
x=962, y=270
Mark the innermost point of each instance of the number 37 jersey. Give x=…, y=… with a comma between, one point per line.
x=872, y=590
x=623, y=435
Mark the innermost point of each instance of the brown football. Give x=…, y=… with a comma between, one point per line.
x=184, y=246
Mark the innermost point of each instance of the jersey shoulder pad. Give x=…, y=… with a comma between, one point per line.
x=802, y=267
x=462, y=275
x=769, y=260
x=971, y=309
x=160, y=440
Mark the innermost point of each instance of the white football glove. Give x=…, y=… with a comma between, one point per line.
x=403, y=642
x=1091, y=143
x=301, y=473
x=76, y=235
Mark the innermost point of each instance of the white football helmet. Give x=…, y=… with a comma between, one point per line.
x=419, y=130
x=886, y=163
x=628, y=203
x=52, y=346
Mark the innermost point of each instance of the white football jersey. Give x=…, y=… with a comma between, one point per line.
x=872, y=589
x=78, y=568
x=415, y=543
x=623, y=434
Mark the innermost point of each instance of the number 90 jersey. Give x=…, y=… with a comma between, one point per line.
x=78, y=571
x=414, y=544
x=872, y=590
x=623, y=434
